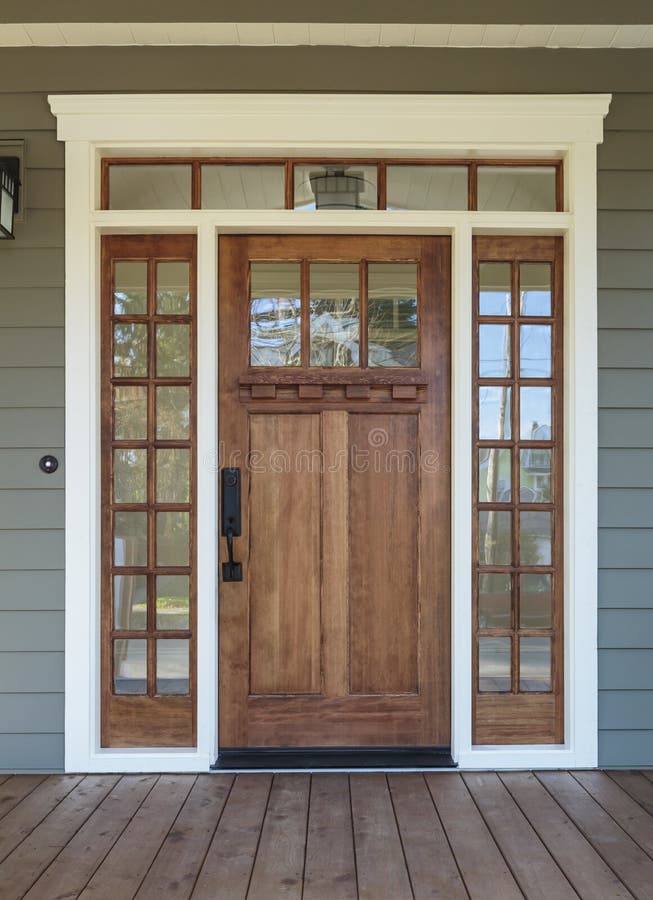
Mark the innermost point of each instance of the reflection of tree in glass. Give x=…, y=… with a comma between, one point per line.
x=334, y=332
x=275, y=337
x=130, y=350
x=392, y=331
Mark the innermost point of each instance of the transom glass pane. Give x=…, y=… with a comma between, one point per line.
x=535, y=289
x=494, y=351
x=172, y=666
x=495, y=289
x=521, y=188
x=164, y=186
x=392, y=330
x=535, y=664
x=130, y=667
x=275, y=314
x=494, y=413
x=494, y=601
x=535, y=601
x=173, y=288
x=494, y=475
x=130, y=602
x=535, y=476
x=335, y=186
x=243, y=187
x=334, y=309
x=494, y=538
x=494, y=664
x=130, y=288
x=172, y=602
x=427, y=187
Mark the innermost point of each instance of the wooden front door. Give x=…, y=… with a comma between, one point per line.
x=334, y=361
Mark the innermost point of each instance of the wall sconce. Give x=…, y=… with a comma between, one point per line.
x=9, y=185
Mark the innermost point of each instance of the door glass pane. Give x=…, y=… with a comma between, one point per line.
x=130, y=476
x=535, y=476
x=535, y=664
x=335, y=187
x=494, y=413
x=149, y=187
x=494, y=351
x=521, y=188
x=494, y=664
x=494, y=475
x=172, y=602
x=130, y=667
x=494, y=601
x=535, y=413
x=535, y=351
x=129, y=602
x=130, y=288
x=130, y=539
x=535, y=601
x=494, y=538
x=172, y=413
x=275, y=314
x=130, y=413
x=495, y=289
x=172, y=350
x=130, y=350
x=173, y=288
x=243, y=187
x=535, y=289
x=535, y=538
x=172, y=476
x=427, y=187
x=334, y=314
x=172, y=666
x=172, y=539
x=392, y=314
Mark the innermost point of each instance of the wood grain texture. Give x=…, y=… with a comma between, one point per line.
x=26, y=816
x=626, y=811
x=330, y=866
x=14, y=788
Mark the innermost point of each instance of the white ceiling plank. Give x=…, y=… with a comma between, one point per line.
x=432, y=35
x=647, y=38
x=255, y=34
x=152, y=33
x=598, y=36
x=326, y=33
x=500, y=35
x=82, y=34
x=46, y=34
x=14, y=36
x=533, y=35
x=290, y=33
x=566, y=35
x=397, y=35
x=362, y=35
x=466, y=35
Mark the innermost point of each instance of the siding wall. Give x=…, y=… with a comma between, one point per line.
x=31, y=349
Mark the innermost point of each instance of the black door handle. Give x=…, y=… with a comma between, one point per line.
x=231, y=571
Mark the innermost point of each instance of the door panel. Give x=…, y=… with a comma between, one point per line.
x=339, y=632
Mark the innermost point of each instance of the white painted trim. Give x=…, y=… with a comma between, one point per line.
x=351, y=125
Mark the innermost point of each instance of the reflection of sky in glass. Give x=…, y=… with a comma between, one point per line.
x=535, y=351
x=494, y=351
x=536, y=303
x=535, y=413
x=494, y=413
x=275, y=331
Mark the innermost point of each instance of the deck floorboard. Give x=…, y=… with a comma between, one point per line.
x=328, y=836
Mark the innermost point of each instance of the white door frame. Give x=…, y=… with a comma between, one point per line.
x=562, y=126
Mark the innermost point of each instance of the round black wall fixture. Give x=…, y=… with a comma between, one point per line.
x=48, y=464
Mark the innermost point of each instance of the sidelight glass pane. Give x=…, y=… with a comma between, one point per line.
x=427, y=187
x=494, y=538
x=130, y=288
x=535, y=476
x=130, y=413
x=130, y=350
x=535, y=538
x=243, y=187
x=522, y=188
x=535, y=601
x=172, y=476
x=494, y=475
x=494, y=601
x=494, y=664
x=495, y=288
x=535, y=289
x=535, y=413
x=173, y=288
x=392, y=314
x=335, y=187
x=130, y=539
x=130, y=602
x=494, y=351
x=130, y=476
x=173, y=667
x=535, y=664
x=172, y=602
x=494, y=413
x=172, y=350
x=130, y=667
x=334, y=314
x=275, y=314
x=172, y=413
x=150, y=186
x=172, y=538
x=535, y=351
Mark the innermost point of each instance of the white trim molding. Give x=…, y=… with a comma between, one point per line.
x=567, y=127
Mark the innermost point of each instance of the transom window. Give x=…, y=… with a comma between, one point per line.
x=352, y=184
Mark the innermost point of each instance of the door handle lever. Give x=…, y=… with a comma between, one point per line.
x=231, y=571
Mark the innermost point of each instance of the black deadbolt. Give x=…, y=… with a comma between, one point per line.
x=48, y=464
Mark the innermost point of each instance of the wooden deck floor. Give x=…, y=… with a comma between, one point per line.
x=548, y=835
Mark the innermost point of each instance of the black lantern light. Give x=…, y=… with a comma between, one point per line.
x=9, y=184
x=337, y=188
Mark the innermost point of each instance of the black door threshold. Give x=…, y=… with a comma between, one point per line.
x=336, y=758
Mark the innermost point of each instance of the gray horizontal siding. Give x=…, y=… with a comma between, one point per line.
x=33, y=631
x=626, y=508
x=32, y=387
x=620, y=229
x=626, y=749
x=626, y=468
x=32, y=752
x=625, y=309
x=32, y=590
x=626, y=710
x=625, y=588
x=32, y=672
x=631, y=428
x=31, y=427
x=31, y=713
x=31, y=509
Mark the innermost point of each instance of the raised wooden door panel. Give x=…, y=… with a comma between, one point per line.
x=339, y=633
